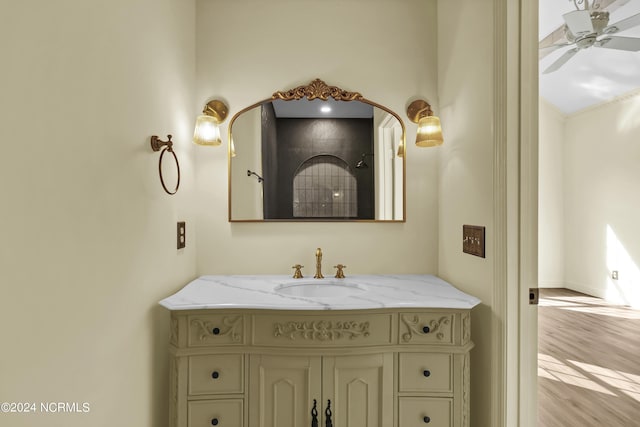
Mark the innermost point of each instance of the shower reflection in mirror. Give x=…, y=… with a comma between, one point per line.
x=249, y=173
x=318, y=160
x=361, y=163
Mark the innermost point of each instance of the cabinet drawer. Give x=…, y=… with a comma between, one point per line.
x=425, y=372
x=216, y=374
x=428, y=328
x=425, y=412
x=221, y=413
x=323, y=330
x=216, y=330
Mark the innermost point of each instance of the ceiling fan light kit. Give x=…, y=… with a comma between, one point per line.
x=589, y=27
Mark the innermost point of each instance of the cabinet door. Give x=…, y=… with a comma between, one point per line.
x=282, y=389
x=360, y=388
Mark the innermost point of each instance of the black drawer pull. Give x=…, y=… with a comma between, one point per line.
x=426, y=373
x=216, y=331
x=426, y=329
x=214, y=422
x=426, y=420
x=215, y=375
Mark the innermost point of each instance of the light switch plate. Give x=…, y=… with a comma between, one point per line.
x=473, y=240
x=182, y=234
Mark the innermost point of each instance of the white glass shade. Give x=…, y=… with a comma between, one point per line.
x=429, y=132
x=207, y=131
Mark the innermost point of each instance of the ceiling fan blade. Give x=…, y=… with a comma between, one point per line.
x=561, y=61
x=625, y=24
x=546, y=50
x=553, y=47
x=631, y=44
x=579, y=22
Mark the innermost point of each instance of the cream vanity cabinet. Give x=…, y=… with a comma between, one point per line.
x=282, y=387
x=264, y=368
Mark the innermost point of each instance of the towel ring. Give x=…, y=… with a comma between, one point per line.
x=156, y=145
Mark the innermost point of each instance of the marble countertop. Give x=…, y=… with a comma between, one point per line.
x=285, y=293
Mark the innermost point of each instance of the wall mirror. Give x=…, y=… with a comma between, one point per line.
x=316, y=153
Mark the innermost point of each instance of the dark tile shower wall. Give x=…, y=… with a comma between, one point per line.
x=269, y=162
x=299, y=140
x=324, y=187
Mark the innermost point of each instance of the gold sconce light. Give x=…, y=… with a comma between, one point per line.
x=207, y=131
x=429, y=132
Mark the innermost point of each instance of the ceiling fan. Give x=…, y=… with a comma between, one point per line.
x=589, y=27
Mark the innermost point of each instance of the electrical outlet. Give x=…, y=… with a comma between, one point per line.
x=473, y=240
x=182, y=234
x=614, y=274
x=534, y=296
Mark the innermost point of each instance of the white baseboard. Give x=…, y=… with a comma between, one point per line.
x=551, y=284
x=596, y=292
x=582, y=288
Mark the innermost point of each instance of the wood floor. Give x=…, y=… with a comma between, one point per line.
x=588, y=362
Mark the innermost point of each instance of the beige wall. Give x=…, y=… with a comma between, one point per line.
x=601, y=200
x=248, y=50
x=465, y=80
x=551, y=247
x=588, y=199
x=247, y=128
x=88, y=240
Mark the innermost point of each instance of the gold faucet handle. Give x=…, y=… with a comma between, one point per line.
x=298, y=273
x=339, y=272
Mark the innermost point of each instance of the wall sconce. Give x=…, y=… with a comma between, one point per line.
x=429, y=132
x=207, y=131
x=232, y=148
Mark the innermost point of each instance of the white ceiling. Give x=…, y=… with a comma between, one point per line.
x=304, y=108
x=593, y=75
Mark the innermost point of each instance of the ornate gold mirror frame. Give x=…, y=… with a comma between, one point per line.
x=317, y=89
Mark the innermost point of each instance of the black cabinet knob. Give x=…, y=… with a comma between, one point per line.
x=215, y=375
x=216, y=331
x=214, y=422
x=426, y=373
x=426, y=420
x=425, y=329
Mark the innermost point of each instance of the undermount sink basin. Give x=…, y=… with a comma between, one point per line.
x=319, y=289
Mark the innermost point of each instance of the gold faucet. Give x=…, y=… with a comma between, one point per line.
x=318, y=274
x=340, y=272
